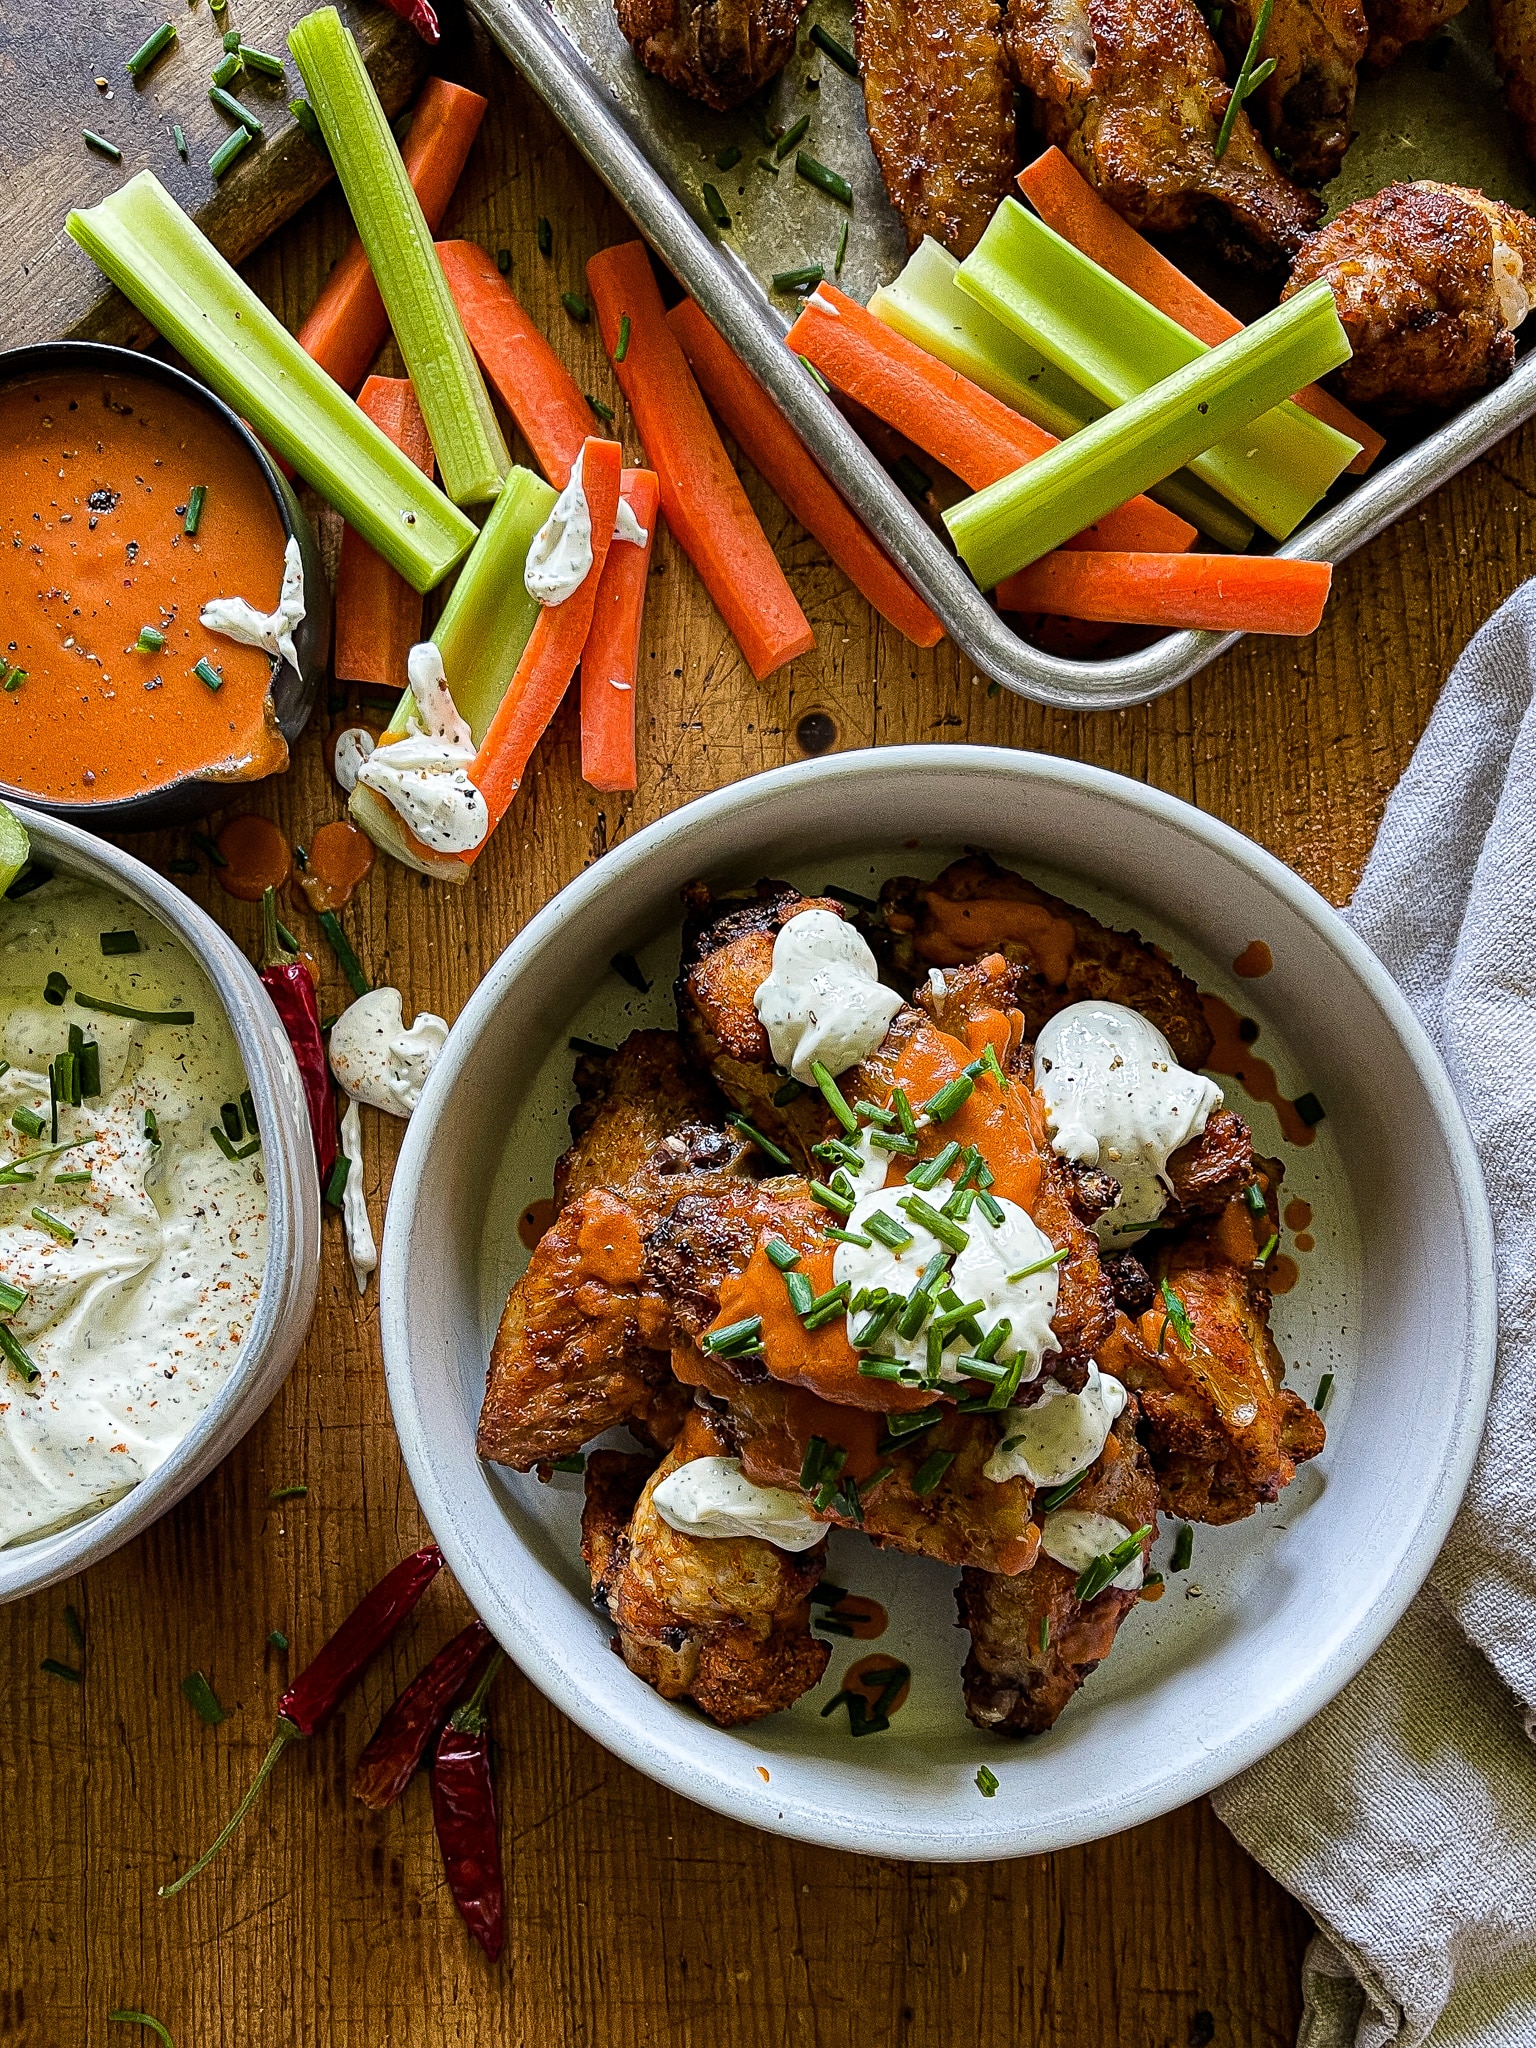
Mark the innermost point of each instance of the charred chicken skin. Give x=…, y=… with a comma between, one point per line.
x=1431, y=282
x=1395, y=24
x=717, y=51
x=1134, y=92
x=1514, y=46
x=1304, y=108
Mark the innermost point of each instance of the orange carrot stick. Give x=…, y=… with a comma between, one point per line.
x=553, y=650
x=347, y=322
x=528, y=377
x=610, y=661
x=1204, y=593
x=958, y=423
x=378, y=615
x=781, y=458
x=1065, y=201
x=701, y=494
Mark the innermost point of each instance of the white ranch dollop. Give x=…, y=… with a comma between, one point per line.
x=1076, y=1536
x=377, y=1060
x=1059, y=1436
x=425, y=775
x=273, y=631
x=560, y=553
x=823, y=999
x=711, y=1497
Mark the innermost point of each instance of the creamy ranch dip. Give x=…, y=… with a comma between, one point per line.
x=141, y=1287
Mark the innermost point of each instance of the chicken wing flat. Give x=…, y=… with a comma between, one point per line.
x=938, y=98
x=717, y=51
x=1134, y=92
x=1304, y=108
x=1514, y=46
x=630, y=1102
x=725, y=1620
x=1033, y=1642
x=1223, y=1433
x=1395, y=24
x=1430, y=282
x=975, y=907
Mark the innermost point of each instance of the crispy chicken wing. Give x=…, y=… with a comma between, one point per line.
x=1033, y=1642
x=631, y=1101
x=1222, y=1431
x=1394, y=24
x=724, y=1621
x=1430, y=282
x=717, y=51
x=938, y=97
x=1134, y=92
x=1304, y=108
x=1514, y=45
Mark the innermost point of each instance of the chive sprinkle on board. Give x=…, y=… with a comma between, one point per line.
x=833, y=183
x=127, y=2018
x=56, y=1669
x=288, y=1493
x=151, y=50
x=101, y=146
x=577, y=307
x=341, y=946
x=200, y=1696
x=546, y=236
x=218, y=164
x=840, y=54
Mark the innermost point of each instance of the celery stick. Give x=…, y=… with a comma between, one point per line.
x=438, y=358
x=481, y=635
x=1100, y=331
x=926, y=305
x=157, y=258
x=1015, y=521
x=15, y=848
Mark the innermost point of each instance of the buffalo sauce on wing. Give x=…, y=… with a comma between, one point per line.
x=98, y=479
x=959, y=929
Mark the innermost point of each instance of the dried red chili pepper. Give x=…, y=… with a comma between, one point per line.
x=400, y=1741
x=464, y=1810
x=286, y=980
x=421, y=17
x=321, y=1687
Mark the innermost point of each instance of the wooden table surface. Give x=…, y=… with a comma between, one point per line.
x=635, y=1917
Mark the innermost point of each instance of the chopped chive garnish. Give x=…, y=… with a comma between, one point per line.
x=849, y=1237
x=218, y=164
x=728, y=158
x=55, y=989
x=546, y=236
x=35, y=873
x=589, y=1046
x=73, y=1629
x=56, y=1669
x=573, y=1461
x=1268, y=1252
x=800, y=1291
x=872, y=1113
x=1309, y=1109
x=248, y=1111
x=806, y=278
x=101, y=145
x=986, y=1782
x=764, y=165
x=260, y=61
x=54, y=1225
x=783, y=1255
x=1045, y=1633
x=151, y=1127
x=341, y=946
x=735, y=1338
x=1324, y=1389
x=837, y=1152
x=228, y=67
x=765, y=1145
x=179, y=139
x=829, y=1625
x=840, y=54
x=837, y=1102
x=603, y=412
x=893, y=1141
x=231, y=39
x=72, y=1179
x=833, y=183
x=309, y=122
x=1253, y=1195
x=504, y=261
x=886, y=1369
x=875, y=1325
x=193, y=518
x=277, y=1639
x=336, y=1186
x=14, y=678
x=1251, y=75
x=790, y=137
x=1183, y=1548
x=826, y=1307
x=790, y=1092
x=234, y=110
x=936, y=1225
x=109, y=1009
x=931, y=1471
x=828, y=1595
x=204, y=669
x=991, y=1208
x=150, y=641
x=628, y=968
x=931, y=1171
x=958, y=1207
x=830, y=1198
x=209, y=846
x=1048, y=1503
x=834, y=1457
x=577, y=307
x=232, y=1151
x=12, y=1298
x=288, y=1493
x=811, y=1464
x=1096, y=1576
x=150, y=49
x=842, y=251
x=986, y=1369
x=902, y=1104
x=951, y=1097
x=887, y=1230
x=200, y=1697
x=849, y=1501
x=28, y=1122
x=624, y=321
x=229, y=1116
x=1178, y=1315
x=1040, y=1266
x=714, y=205
x=15, y=1355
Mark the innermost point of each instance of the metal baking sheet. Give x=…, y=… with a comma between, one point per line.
x=1437, y=113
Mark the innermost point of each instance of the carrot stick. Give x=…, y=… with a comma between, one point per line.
x=958, y=423
x=1203, y=593
x=781, y=458
x=378, y=615
x=553, y=650
x=701, y=494
x=610, y=661
x=528, y=377
x=1065, y=201
x=347, y=323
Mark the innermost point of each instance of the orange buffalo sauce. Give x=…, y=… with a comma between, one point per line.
x=98, y=477
x=960, y=928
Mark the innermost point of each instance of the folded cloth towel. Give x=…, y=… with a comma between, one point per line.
x=1404, y=1816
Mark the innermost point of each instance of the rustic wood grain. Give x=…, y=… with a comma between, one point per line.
x=634, y=1917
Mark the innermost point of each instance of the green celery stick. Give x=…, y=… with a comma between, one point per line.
x=15, y=848
x=481, y=636
x=471, y=453
x=157, y=258
x=1023, y=516
x=925, y=304
x=1115, y=344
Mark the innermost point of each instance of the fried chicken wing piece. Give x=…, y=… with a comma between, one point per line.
x=1514, y=46
x=1033, y=1642
x=1304, y=108
x=938, y=98
x=1395, y=24
x=723, y=1621
x=1211, y=1170
x=717, y=51
x=1134, y=92
x=1430, y=282
x=1223, y=1433
x=630, y=1102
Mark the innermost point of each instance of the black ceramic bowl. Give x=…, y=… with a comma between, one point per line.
x=293, y=696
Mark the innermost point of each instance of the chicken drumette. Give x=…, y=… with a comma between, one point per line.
x=1514, y=45
x=717, y=51
x=1304, y=108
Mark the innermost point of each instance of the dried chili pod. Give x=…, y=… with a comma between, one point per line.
x=286, y=980
x=422, y=17
x=464, y=1810
x=321, y=1687
x=400, y=1741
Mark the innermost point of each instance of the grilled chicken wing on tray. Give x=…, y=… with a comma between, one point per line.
x=1514, y=45
x=1430, y=282
x=1134, y=92
x=938, y=98
x=1394, y=24
x=1304, y=108
x=717, y=51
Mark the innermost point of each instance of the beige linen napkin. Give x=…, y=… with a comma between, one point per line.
x=1404, y=1816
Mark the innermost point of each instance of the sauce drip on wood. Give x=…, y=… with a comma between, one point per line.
x=256, y=857
x=340, y=857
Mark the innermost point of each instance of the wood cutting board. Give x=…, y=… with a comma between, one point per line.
x=51, y=56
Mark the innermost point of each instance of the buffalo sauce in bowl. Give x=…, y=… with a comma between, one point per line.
x=100, y=473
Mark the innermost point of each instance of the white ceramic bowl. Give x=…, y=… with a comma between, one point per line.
x=293, y=1214
x=1396, y=1299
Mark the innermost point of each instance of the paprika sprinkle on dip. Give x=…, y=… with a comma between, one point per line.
x=101, y=588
